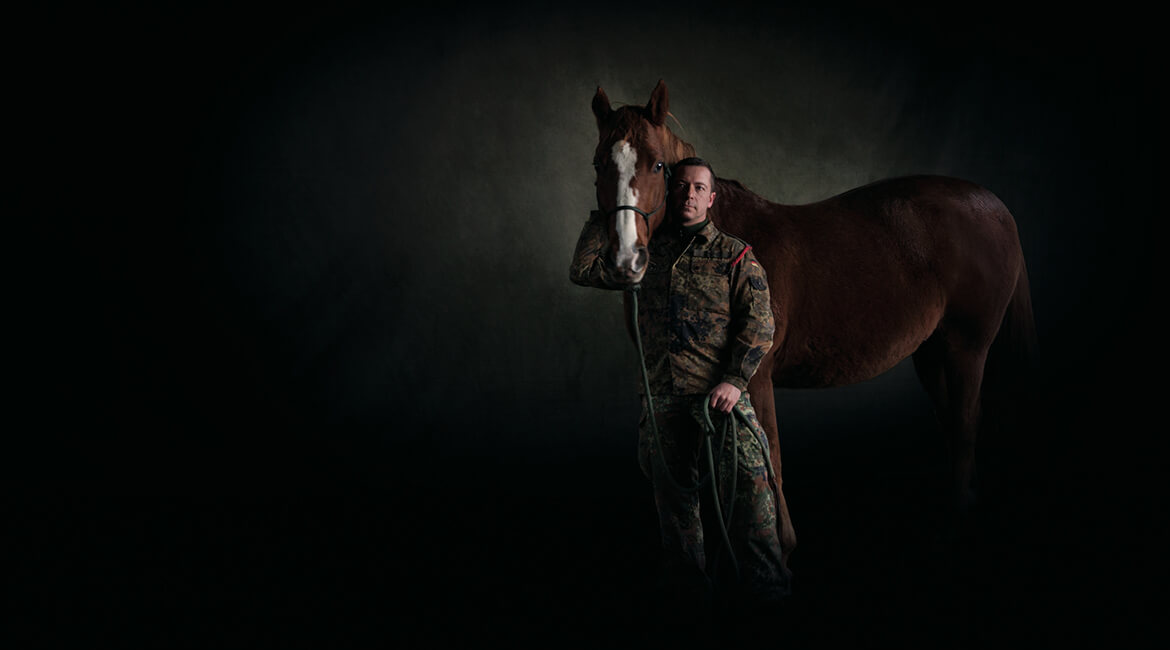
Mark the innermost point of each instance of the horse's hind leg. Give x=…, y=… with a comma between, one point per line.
x=930, y=365
x=964, y=379
x=951, y=369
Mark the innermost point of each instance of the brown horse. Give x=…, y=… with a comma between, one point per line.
x=923, y=266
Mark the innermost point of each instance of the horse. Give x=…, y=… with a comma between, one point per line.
x=928, y=267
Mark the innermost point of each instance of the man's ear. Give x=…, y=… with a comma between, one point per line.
x=658, y=105
x=601, y=109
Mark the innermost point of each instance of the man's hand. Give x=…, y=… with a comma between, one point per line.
x=724, y=396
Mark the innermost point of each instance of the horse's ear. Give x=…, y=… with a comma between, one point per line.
x=658, y=105
x=601, y=109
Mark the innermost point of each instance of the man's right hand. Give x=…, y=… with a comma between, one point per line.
x=724, y=397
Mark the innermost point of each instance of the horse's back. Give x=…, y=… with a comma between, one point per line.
x=861, y=279
x=916, y=215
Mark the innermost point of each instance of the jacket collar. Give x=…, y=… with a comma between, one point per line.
x=706, y=233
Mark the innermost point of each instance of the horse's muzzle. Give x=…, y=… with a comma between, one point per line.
x=631, y=267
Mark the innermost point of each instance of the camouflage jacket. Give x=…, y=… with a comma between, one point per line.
x=704, y=310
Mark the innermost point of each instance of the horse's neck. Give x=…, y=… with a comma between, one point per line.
x=738, y=209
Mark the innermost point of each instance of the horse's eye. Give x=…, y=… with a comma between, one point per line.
x=658, y=167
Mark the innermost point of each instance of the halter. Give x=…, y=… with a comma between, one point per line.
x=646, y=215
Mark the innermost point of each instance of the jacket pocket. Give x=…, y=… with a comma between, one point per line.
x=711, y=285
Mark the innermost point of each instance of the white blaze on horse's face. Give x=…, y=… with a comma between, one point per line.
x=627, y=259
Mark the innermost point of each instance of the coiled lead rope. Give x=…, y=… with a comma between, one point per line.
x=729, y=429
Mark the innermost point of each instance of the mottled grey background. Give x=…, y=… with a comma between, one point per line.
x=378, y=207
x=326, y=251
x=354, y=225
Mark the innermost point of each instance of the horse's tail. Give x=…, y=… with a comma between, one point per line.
x=1012, y=363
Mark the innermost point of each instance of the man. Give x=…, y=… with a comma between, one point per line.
x=706, y=323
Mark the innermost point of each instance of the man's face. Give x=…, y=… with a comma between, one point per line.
x=691, y=194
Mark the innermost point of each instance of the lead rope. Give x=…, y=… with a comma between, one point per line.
x=728, y=428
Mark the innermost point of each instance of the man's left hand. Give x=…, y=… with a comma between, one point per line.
x=724, y=396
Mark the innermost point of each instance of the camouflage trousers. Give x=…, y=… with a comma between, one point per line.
x=694, y=556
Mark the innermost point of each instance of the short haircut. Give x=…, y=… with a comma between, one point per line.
x=693, y=162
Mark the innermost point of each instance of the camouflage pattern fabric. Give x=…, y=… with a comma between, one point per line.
x=705, y=317
x=589, y=268
x=705, y=311
x=693, y=555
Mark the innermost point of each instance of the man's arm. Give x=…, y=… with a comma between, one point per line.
x=589, y=268
x=752, y=324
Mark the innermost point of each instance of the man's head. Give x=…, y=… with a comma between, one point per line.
x=692, y=190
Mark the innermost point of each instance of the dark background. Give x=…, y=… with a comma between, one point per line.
x=306, y=365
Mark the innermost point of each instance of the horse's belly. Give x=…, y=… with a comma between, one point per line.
x=862, y=280
x=853, y=349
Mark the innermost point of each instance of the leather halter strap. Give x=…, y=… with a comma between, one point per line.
x=646, y=215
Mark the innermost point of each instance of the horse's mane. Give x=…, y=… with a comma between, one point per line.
x=734, y=184
x=733, y=191
x=626, y=120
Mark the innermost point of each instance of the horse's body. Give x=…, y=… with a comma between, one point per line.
x=923, y=266
x=861, y=280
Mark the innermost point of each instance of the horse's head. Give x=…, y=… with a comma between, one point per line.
x=634, y=153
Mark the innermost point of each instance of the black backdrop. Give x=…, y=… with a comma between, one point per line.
x=308, y=366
